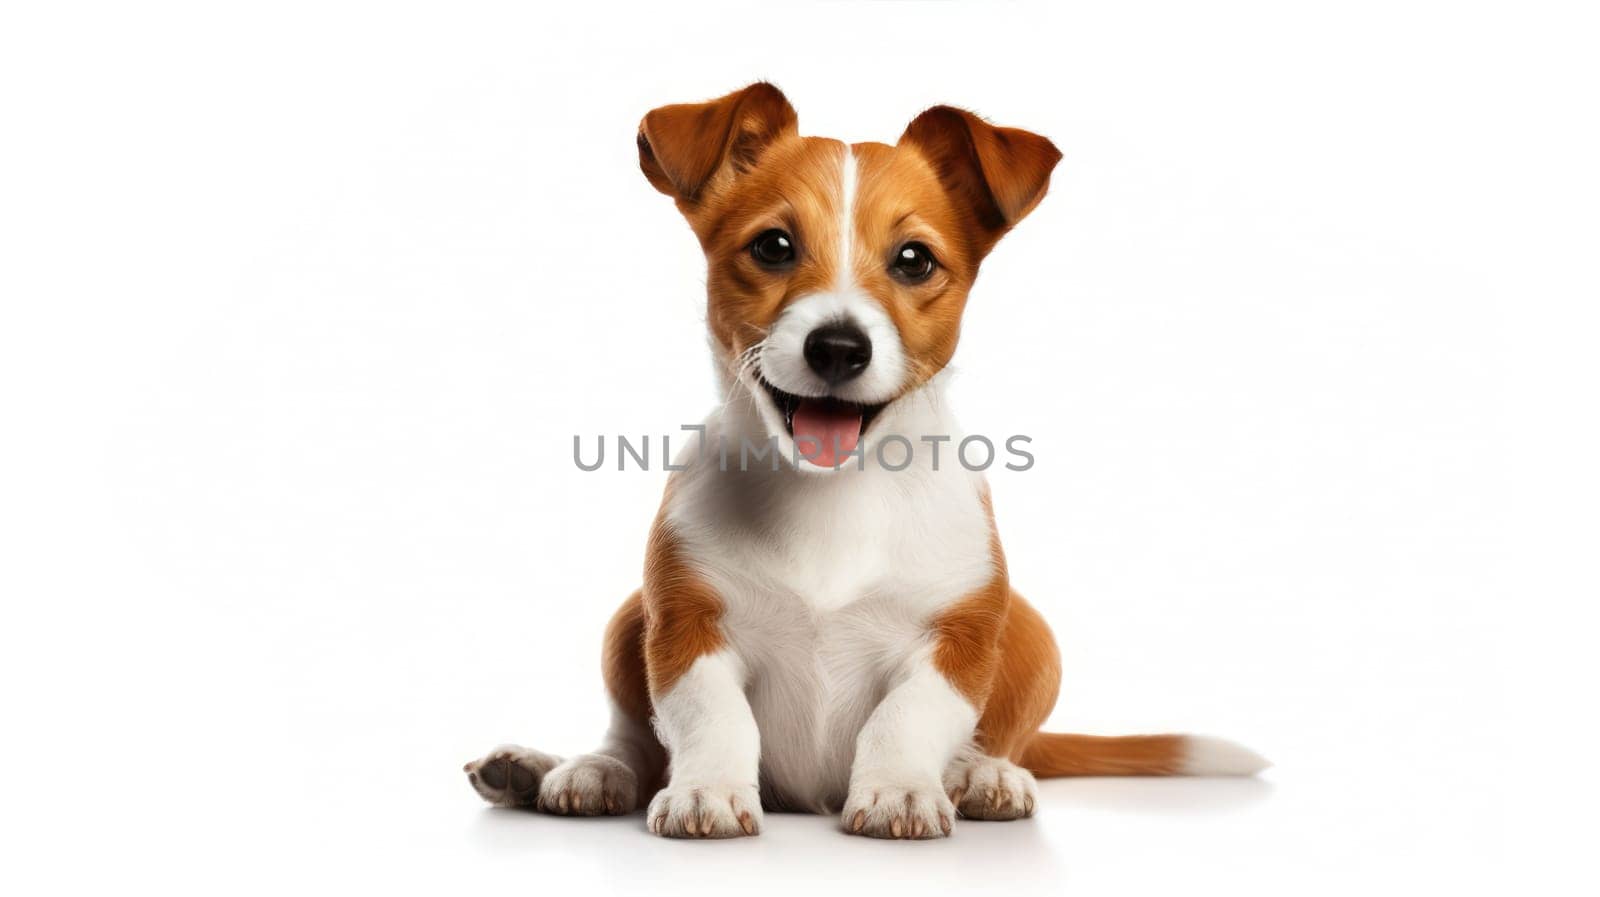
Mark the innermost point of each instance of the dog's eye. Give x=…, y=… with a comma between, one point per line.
x=913, y=263
x=772, y=249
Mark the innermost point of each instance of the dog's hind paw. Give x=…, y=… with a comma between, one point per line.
x=510, y=776
x=991, y=788
x=589, y=785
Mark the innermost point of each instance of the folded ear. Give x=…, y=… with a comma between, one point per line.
x=681, y=147
x=1000, y=173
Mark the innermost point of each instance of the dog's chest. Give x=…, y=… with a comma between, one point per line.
x=917, y=538
x=828, y=601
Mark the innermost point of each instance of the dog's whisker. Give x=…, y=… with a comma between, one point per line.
x=743, y=362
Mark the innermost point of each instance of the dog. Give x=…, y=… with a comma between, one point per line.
x=832, y=634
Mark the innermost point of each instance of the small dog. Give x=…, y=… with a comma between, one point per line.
x=821, y=635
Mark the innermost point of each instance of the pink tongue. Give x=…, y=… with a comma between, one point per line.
x=823, y=431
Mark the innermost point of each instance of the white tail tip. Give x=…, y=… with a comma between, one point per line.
x=1204, y=755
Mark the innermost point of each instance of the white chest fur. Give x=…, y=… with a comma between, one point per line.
x=828, y=581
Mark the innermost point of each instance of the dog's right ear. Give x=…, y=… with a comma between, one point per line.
x=682, y=147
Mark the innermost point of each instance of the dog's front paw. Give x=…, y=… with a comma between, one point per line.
x=509, y=776
x=589, y=785
x=706, y=811
x=893, y=810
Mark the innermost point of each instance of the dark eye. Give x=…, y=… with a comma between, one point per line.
x=772, y=249
x=913, y=262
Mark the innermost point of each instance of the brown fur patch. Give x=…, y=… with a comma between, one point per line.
x=682, y=612
x=1026, y=682
x=622, y=659
x=966, y=642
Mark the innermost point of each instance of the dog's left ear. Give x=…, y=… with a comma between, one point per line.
x=999, y=173
x=682, y=147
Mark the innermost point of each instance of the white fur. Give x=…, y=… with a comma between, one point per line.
x=1206, y=755
x=847, y=220
x=782, y=355
x=828, y=584
x=706, y=726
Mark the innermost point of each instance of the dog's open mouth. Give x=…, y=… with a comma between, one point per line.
x=823, y=428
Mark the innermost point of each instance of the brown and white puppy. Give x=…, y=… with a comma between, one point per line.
x=828, y=633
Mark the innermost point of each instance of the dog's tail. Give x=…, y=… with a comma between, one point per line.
x=1051, y=754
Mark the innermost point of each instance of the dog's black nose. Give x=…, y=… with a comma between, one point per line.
x=838, y=352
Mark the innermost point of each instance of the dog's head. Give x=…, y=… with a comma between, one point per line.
x=837, y=273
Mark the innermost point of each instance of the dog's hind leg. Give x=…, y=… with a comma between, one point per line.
x=611, y=780
x=984, y=781
x=510, y=775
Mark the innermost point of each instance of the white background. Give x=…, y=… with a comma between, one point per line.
x=303, y=305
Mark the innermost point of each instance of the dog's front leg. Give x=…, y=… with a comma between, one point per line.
x=896, y=788
x=714, y=748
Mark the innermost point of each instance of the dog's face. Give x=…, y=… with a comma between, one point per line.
x=837, y=274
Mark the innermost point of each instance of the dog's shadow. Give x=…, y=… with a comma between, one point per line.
x=1179, y=794
x=512, y=829
x=800, y=847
